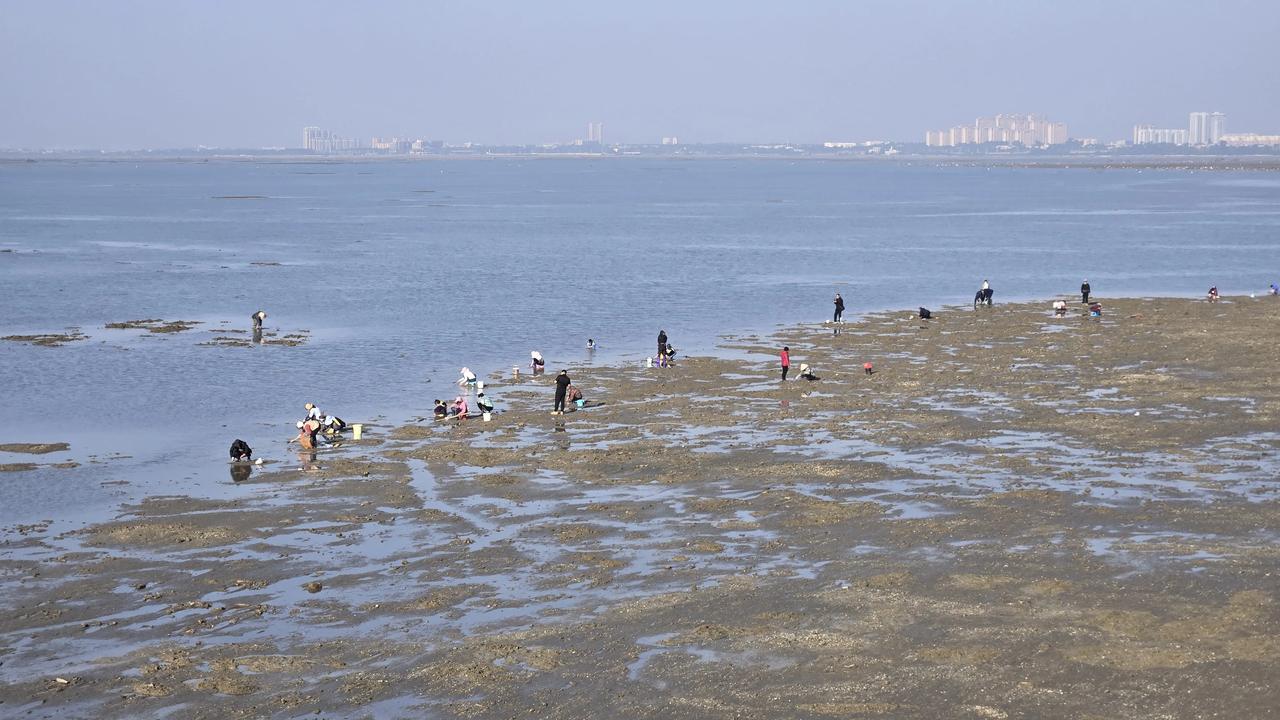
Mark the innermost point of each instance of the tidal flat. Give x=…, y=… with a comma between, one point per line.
x=1016, y=514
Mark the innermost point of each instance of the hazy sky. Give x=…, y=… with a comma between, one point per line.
x=175, y=73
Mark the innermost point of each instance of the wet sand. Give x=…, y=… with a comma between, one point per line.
x=1016, y=515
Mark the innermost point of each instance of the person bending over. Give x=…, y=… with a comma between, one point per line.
x=459, y=409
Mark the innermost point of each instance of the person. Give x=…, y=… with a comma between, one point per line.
x=459, y=409
x=591, y=344
x=806, y=373
x=441, y=410
x=1084, y=291
x=304, y=437
x=240, y=451
x=1095, y=310
x=977, y=298
x=987, y=292
x=308, y=435
x=986, y=285
x=257, y=318
x=318, y=438
x=562, y=389
x=536, y=362
x=313, y=412
x=839, y=302
x=1213, y=294
x=662, y=343
x=574, y=395
x=333, y=425
x=1275, y=289
x=467, y=377
x=483, y=403
x=786, y=361
x=868, y=368
x=1059, y=307
x=925, y=314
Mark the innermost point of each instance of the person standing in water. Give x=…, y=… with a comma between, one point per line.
x=1084, y=291
x=562, y=388
x=257, y=318
x=786, y=361
x=839, y=302
x=662, y=343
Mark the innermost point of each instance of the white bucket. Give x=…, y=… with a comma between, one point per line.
x=487, y=416
x=356, y=430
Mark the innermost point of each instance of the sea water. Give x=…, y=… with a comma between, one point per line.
x=401, y=272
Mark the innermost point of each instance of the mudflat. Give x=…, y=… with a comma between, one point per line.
x=1016, y=514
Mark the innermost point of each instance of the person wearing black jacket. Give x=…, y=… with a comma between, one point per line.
x=662, y=343
x=562, y=387
x=1084, y=292
x=839, y=301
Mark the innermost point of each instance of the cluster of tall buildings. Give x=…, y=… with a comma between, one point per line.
x=1029, y=130
x=595, y=133
x=315, y=139
x=1203, y=128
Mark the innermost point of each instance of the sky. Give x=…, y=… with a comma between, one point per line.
x=133, y=74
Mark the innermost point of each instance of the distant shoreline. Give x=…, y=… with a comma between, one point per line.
x=1219, y=163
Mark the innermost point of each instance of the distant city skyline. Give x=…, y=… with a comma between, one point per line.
x=1032, y=130
x=139, y=74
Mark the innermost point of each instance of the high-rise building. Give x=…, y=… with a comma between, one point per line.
x=595, y=133
x=1217, y=127
x=1152, y=135
x=315, y=139
x=1206, y=128
x=1198, y=128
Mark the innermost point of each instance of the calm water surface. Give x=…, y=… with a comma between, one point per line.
x=402, y=272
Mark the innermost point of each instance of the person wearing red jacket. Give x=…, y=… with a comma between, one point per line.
x=786, y=361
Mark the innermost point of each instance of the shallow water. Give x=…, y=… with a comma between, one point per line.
x=402, y=272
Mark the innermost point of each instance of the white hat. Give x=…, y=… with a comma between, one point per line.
x=299, y=424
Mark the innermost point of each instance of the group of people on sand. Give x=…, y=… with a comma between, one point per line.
x=666, y=356
x=458, y=409
x=318, y=429
x=806, y=372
